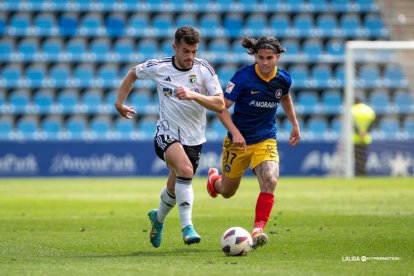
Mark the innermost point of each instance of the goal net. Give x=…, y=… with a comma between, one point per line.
x=381, y=75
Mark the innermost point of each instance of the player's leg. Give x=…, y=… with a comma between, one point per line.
x=234, y=163
x=265, y=164
x=180, y=160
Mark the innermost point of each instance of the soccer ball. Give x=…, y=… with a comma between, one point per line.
x=236, y=241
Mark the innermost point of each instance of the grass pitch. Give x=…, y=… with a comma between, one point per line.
x=100, y=227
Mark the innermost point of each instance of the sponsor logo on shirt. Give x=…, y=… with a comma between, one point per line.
x=167, y=91
x=263, y=104
x=230, y=87
x=167, y=79
x=254, y=92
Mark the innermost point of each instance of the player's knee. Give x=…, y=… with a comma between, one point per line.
x=185, y=170
x=270, y=184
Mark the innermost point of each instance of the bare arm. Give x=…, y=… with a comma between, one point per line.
x=123, y=92
x=226, y=120
x=214, y=103
x=290, y=113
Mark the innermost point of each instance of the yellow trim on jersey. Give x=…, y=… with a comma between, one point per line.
x=235, y=161
x=256, y=68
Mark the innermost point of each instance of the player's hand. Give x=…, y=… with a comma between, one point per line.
x=125, y=111
x=238, y=140
x=183, y=93
x=294, y=136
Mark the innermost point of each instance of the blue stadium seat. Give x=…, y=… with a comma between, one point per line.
x=379, y=100
x=369, y=76
x=273, y=5
x=60, y=74
x=3, y=19
x=138, y=24
x=322, y=75
x=313, y=49
x=217, y=127
x=108, y=75
x=162, y=24
x=339, y=73
x=375, y=26
x=335, y=47
x=238, y=50
x=6, y=127
x=210, y=23
x=219, y=47
x=394, y=77
x=280, y=24
x=341, y=5
x=6, y=49
x=20, y=23
x=115, y=24
x=124, y=47
x=184, y=19
x=141, y=102
x=389, y=127
x=68, y=24
x=292, y=47
x=332, y=101
x=327, y=24
x=52, y=48
x=36, y=74
x=408, y=126
x=100, y=48
x=336, y=126
x=28, y=48
x=366, y=5
x=233, y=24
x=101, y=126
x=404, y=101
x=84, y=74
x=166, y=48
x=52, y=126
x=148, y=48
x=12, y=75
x=91, y=24
x=76, y=126
x=303, y=23
x=125, y=128
x=76, y=48
x=351, y=25
x=299, y=74
x=45, y=23
x=68, y=101
x=44, y=100
x=225, y=73
x=308, y=102
x=256, y=24
x=91, y=100
x=318, y=127
x=318, y=5
x=147, y=127
x=27, y=127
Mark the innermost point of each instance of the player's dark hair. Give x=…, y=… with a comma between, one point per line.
x=264, y=42
x=187, y=34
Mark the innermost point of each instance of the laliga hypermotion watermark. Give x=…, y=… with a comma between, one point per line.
x=370, y=259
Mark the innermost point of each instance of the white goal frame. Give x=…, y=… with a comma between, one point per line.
x=348, y=124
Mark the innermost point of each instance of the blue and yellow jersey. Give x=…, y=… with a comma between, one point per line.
x=255, y=102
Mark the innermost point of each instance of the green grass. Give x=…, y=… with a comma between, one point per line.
x=99, y=227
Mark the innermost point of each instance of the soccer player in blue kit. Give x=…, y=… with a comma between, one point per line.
x=256, y=90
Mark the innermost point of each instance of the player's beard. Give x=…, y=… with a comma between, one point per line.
x=185, y=63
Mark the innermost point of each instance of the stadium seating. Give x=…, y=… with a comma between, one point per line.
x=62, y=62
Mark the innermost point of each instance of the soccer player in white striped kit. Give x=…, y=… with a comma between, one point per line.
x=186, y=86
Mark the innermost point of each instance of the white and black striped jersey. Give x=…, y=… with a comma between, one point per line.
x=182, y=119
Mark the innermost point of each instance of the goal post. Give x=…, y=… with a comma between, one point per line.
x=357, y=53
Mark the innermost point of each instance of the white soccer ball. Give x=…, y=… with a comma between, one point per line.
x=236, y=241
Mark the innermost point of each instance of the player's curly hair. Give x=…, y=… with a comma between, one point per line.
x=264, y=42
x=187, y=34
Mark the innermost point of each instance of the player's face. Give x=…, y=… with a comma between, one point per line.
x=266, y=59
x=185, y=55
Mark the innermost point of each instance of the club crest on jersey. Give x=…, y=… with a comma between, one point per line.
x=278, y=93
x=192, y=78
